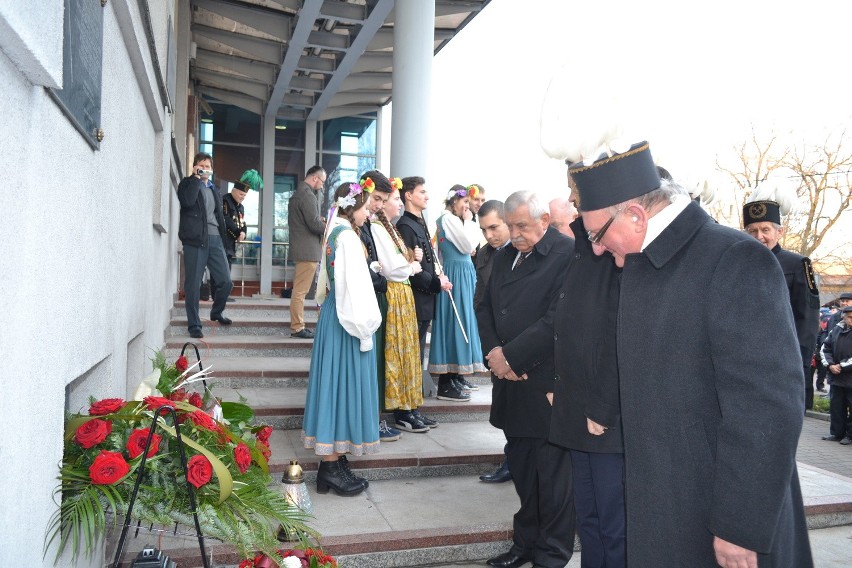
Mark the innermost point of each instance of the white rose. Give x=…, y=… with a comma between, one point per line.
x=292, y=562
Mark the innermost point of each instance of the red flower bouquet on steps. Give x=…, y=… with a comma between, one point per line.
x=237, y=501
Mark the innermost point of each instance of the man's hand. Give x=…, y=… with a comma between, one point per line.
x=242, y=237
x=418, y=253
x=729, y=555
x=835, y=369
x=446, y=285
x=594, y=428
x=498, y=364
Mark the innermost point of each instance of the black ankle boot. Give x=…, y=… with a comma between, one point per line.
x=332, y=475
x=344, y=465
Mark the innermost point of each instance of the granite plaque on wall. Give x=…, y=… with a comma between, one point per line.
x=80, y=97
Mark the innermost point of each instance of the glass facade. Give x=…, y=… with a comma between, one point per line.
x=346, y=146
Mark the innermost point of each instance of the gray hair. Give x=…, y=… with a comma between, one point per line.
x=530, y=199
x=663, y=195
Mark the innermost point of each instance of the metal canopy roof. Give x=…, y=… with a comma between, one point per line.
x=305, y=59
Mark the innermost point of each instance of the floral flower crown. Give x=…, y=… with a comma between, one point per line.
x=396, y=183
x=457, y=192
x=473, y=191
x=348, y=200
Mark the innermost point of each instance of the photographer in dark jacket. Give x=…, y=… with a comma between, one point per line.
x=202, y=230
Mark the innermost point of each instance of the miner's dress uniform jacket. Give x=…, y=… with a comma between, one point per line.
x=234, y=224
x=804, y=298
x=424, y=284
x=514, y=314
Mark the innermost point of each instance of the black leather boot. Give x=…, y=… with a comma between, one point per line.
x=344, y=464
x=332, y=475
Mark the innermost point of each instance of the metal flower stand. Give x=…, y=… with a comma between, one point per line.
x=165, y=409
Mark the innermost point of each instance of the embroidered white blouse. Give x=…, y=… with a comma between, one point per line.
x=355, y=299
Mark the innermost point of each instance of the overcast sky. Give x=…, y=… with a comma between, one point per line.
x=694, y=75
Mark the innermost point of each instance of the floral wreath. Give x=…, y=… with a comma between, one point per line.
x=348, y=200
x=396, y=183
x=473, y=191
x=457, y=192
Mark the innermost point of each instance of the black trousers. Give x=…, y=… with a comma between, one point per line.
x=545, y=524
x=599, y=499
x=841, y=401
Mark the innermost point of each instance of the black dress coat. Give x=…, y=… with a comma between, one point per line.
x=380, y=283
x=425, y=284
x=711, y=410
x=584, y=332
x=804, y=298
x=515, y=314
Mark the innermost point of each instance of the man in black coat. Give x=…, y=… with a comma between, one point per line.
x=762, y=220
x=586, y=412
x=496, y=233
x=836, y=355
x=711, y=411
x=516, y=331
x=201, y=231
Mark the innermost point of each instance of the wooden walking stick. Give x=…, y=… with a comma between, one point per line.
x=439, y=271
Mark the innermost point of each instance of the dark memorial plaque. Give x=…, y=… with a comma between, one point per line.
x=80, y=97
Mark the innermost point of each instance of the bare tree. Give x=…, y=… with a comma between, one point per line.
x=824, y=191
x=821, y=174
x=756, y=160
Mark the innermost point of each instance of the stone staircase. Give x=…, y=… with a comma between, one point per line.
x=425, y=505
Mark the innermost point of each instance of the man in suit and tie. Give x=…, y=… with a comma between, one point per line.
x=516, y=331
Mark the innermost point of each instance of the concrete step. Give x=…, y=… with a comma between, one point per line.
x=220, y=343
x=248, y=308
x=284, y=408
x=238, y=371
x=244, y=325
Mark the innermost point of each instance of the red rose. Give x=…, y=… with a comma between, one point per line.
x=106, y=406
x=242, y=455
x=155, y=402
x=136, y=443
x=92, y=432
x=200, y=470
x=196, y=400
x=181, y=364
x=108, y=468
x=178, y=395
x=205, y=421
x=246, y=564
x=264, y=449
x=264, y=433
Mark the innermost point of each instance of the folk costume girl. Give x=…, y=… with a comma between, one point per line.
x=402, y=388
x=455, y=349
x=342, y=396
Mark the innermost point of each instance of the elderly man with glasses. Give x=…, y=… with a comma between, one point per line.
x=709, y=375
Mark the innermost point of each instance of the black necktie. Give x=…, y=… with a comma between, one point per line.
x=522, y=257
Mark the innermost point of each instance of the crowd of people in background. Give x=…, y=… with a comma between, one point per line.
x=575, y=305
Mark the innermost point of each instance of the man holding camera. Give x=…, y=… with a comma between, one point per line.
x=201, y=230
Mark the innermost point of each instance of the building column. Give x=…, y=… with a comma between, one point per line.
x=267, y=202
x=413, y=47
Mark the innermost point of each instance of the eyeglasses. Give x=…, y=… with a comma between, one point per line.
x=595, y=237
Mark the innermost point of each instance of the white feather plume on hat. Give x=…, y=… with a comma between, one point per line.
x=767, y=190
x=701, y=189
x=581, y=123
